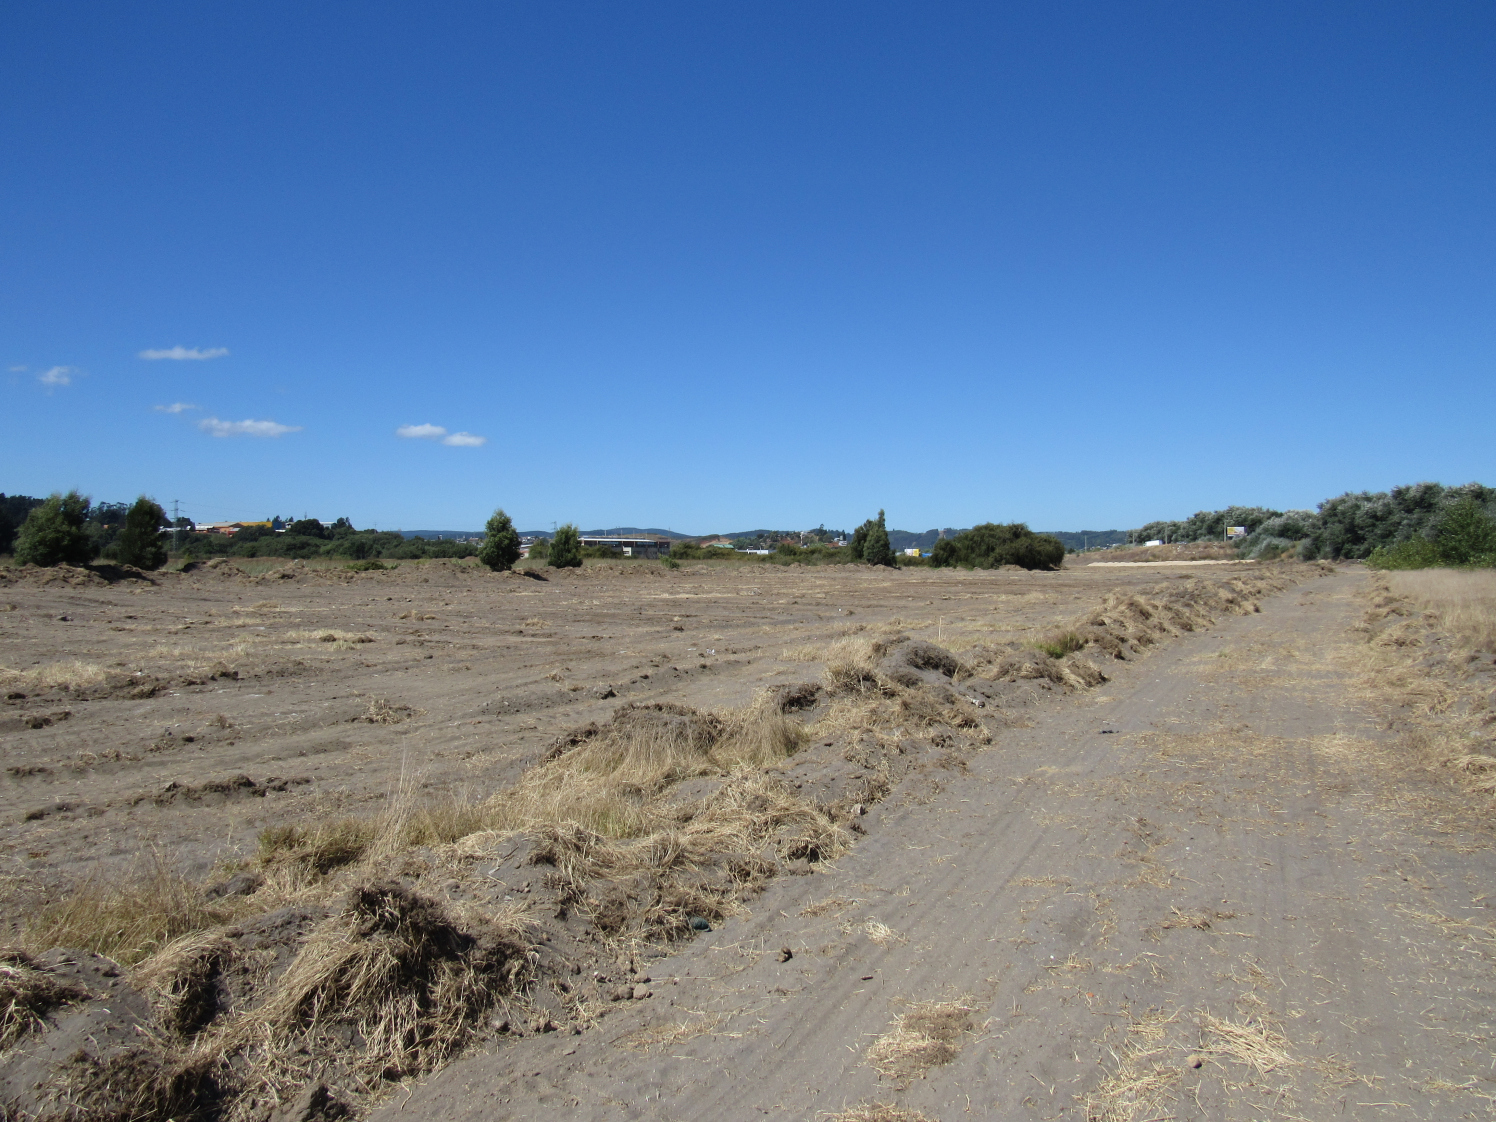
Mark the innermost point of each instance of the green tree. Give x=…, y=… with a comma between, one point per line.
x=540, y=549
x=1467, y=535
x=875, y=547
x=308, y=528
x=500, y=548
x=566, y=548
x=859, y=539
x=53, y=533
x=141, y=542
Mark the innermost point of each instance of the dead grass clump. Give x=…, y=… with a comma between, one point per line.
x=69, y=674
x=126, y=918
x=877, y=1112
x=852, y=665
x=143, y=1082
x=1251, y=1042
x=28, y=992
x=382, y=711
x=321, y=848
x=395, y=970
x=927, y=1036
x=178, y=980
x=337, y=640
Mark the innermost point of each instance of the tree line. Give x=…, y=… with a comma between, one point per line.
x=1421, y=520
x=69, y=528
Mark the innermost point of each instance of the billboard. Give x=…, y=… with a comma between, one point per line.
x=1235, y=532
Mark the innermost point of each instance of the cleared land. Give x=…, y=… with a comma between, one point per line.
x=1026, y=844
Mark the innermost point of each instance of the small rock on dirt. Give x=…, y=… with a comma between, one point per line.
x=641, y=992
x=785, y=954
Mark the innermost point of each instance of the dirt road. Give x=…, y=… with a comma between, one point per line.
x=1208, y=890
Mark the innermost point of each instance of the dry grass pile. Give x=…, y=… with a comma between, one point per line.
x=876, y=1112
x=609, y=779
x=126, y=918
x=1127, y=623
x=927, y=1035
x=643, y=862
x=69, y=674
x=28, y=992
x=391, y=971
x=382, y=711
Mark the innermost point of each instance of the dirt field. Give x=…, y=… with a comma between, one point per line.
x=1108, y=843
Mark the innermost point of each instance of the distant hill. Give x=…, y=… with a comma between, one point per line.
x=1087, y=539
x=898, y=539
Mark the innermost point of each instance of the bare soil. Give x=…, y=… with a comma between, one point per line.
x=1050, y=885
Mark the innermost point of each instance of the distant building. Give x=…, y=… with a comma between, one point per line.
x=647, y=545
x=1155, y=541
x=912, y=551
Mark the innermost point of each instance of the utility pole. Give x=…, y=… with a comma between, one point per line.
x=176, y=530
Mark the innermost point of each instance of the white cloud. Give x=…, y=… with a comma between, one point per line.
x=244, y=428
x=17, y=369
x=175, y=407
x=57, y=376
x=183, y=353
x=436, y=432
x=420, y=432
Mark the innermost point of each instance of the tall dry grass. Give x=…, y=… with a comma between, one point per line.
x=126, y=917
x=1463, y=600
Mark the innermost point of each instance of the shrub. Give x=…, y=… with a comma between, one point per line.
x=142, y=542
x=1058, y=646
x=1416, y=553
x=369, y=566
x=1467, y=535
x=53, y=533
x=500, y=548
x=990, y=546
x=566, y=548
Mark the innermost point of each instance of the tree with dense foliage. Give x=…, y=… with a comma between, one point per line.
x=990, y=546
x=306, y=528
x=875, y=547
x=500, y=548
x=53, y=533
x=566, y=548
x=141, y=542
x=1467, y=535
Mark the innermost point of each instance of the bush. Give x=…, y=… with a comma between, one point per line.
x=540, y=549
x=142, y=542
x=990, y=546
x=500, y=548
x=566, y=548
x=1416, y=553
x=53, y=533
x=369, y=566
x=1467, y=535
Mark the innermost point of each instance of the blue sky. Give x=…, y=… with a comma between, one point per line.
x=709, y=266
